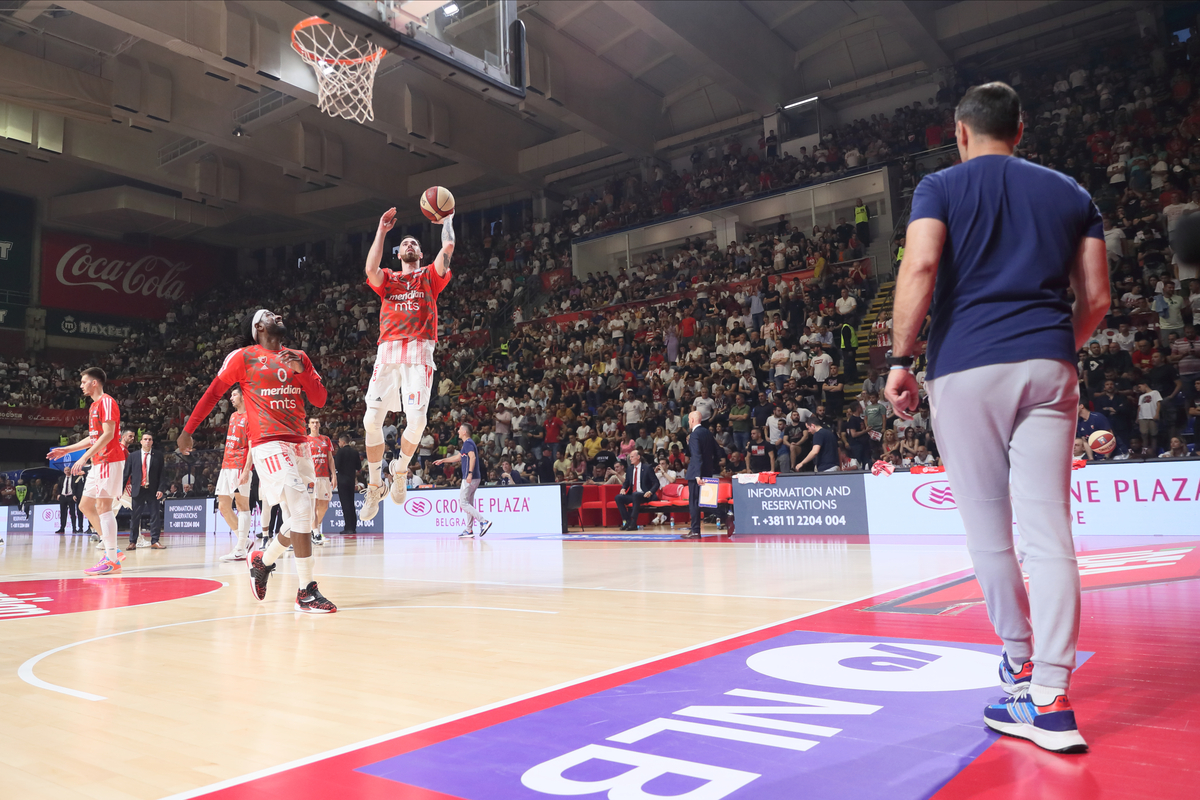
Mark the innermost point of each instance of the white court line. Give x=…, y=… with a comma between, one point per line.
x=585, y=588
x=25, y=671
x=300, y=762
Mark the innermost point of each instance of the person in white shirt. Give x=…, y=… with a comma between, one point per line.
x=781, y=360
x=1124, y=337
x=820, y=364
x=673, y=423
x=1149, y=408
x=846, y=304
x=704, y=404
x=1114, y=241
x=633, y=409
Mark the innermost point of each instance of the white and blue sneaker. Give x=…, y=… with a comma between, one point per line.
x=1051, y=726
x=1011, y=681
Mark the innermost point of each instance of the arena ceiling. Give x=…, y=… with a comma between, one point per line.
x=194, y=119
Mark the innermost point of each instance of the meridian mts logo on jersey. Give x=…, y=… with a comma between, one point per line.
x=935, y=495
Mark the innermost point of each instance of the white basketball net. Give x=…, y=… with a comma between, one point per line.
x=344, y=65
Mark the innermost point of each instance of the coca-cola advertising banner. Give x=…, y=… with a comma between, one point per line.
x=42, y=417
x=126, y=280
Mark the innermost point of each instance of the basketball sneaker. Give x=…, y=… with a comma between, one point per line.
x=143, y=541
x=259, y=572
x=106, y=567
x=311, y=601
x=1011, y=681
x=399, y=483
x=234, y=555
x=1051, y=727
x=370, y=506
x=484, y=528
x=467, y=535
x=318, y=538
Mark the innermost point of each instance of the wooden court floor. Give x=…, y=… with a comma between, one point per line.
x=172, y=677
x=212, y=686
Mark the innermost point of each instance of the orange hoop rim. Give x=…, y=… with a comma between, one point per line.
x=309, y=55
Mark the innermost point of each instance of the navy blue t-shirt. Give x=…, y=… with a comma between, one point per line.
x=468, y=446
x=828, y=457
x=1013, y=230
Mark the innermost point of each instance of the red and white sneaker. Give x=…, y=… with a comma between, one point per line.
x=311, y=601
x=259, y=572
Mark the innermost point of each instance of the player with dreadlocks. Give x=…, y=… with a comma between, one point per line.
x=275, y=382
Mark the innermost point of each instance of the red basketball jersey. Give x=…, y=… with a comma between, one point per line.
x=322, y=450
x=105, y=410
x=237, y=442
x=273, y=395
x=409, y=303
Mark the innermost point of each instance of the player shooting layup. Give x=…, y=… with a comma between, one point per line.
x=403, y=375
x=273, y=378
x=235, y=477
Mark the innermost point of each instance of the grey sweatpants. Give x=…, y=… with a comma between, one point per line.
x=466, y=502
x=1020, y=416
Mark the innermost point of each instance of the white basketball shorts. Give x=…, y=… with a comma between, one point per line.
x=227, y=483
x=283, y=465
x=323, y=490
x=104, y=481
x=396, y=387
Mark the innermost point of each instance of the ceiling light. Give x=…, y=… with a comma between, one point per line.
x=450, y=9
x=800, y=103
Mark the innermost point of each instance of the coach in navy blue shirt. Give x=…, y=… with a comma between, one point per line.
x=472, y=476
x=995, y=244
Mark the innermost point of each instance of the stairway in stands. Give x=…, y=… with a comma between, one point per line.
x=866, y=339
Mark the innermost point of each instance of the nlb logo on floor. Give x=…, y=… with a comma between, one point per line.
x=778, y=719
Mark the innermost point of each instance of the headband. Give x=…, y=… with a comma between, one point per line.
x=258, y=315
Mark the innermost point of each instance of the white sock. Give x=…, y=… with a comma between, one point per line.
x=1044, y=695
x=274, y=551
x=108, y=535
x=304, y=569
x=316, y=531
x=376, y=470
x=403, y=461
x=243, y=531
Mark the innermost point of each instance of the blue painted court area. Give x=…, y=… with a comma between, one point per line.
x=797, y=710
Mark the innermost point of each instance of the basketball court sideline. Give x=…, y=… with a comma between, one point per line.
x=152, y=684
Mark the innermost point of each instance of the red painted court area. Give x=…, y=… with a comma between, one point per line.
x=1137, y=698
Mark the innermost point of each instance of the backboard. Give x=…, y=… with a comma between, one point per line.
x=479, y=44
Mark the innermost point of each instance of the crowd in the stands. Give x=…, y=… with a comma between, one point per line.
x=757, y=356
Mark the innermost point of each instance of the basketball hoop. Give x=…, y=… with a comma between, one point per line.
x=344, y=65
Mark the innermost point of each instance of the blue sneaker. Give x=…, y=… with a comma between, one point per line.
x=1011, y=681
x=1051, y=727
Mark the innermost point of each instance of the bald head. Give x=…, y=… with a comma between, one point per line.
x=693, y=419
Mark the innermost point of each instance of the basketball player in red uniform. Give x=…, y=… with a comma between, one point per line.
x=275, y=381
x=235, y=476
x=322, y=456
x=403, y=375
x=103, y=484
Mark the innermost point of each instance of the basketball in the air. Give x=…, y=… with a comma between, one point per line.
x=437, y=203
x=1102, y=442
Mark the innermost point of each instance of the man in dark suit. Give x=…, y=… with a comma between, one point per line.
x=347, y=462
x=147, y=483
x=702, y=463
x=641, y=486
x=69, y=490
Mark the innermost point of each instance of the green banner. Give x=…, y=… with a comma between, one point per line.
x=17, y=215
x=12, y=316
x=86, y=326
